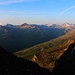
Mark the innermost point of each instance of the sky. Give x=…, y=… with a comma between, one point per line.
x=37, y=11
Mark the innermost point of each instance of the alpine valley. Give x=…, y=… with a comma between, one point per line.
x=37, y=49
x=18, y=37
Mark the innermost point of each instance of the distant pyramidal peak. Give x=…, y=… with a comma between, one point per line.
x=24, y=24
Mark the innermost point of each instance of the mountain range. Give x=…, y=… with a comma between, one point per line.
x=17, y=37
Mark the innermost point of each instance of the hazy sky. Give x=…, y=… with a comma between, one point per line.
x=37, y=11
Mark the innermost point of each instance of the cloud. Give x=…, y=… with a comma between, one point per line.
x=66, y=10
x=2, y=2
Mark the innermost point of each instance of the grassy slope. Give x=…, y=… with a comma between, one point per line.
x=47, y=53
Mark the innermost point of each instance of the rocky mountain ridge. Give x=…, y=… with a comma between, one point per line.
x=25, y=25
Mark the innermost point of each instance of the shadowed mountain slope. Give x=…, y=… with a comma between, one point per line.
x=65, y=65
x=12, y=65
